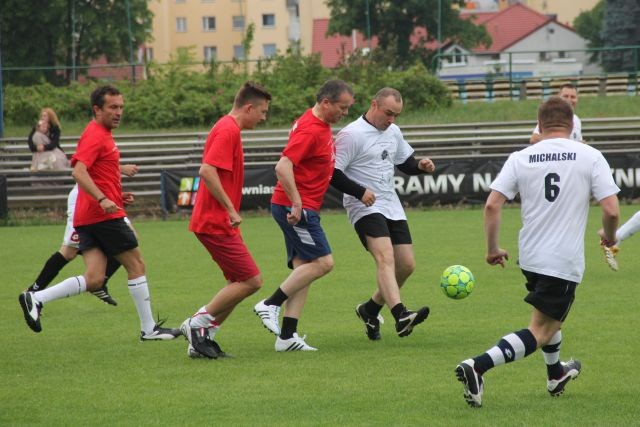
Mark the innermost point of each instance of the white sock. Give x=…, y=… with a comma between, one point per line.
x=67, y=288
x=139, y=291
x=629, y=228
x=202, y=319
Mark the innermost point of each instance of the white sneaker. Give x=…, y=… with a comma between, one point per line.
x=269, y=315
x=294, y=343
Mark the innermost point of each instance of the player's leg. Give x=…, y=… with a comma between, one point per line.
x=56, y=262
x=629, y=228
x=103, y=293
x=32, y=302
x=309, y=257
x=243, y=279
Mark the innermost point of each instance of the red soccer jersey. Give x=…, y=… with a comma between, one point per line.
x=223, y=150
x=312, y=151
x=98, y=151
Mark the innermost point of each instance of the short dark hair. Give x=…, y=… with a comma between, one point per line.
x=97, y=96
x=386, y=92
x=332, y=89
x=555, y=113
x=567, y=85
x=249, y=93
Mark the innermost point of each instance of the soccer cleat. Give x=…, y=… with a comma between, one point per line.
x=269, y=316
x=571, y=370
x=472, y=382
x=610, y=253
x=371, y=324
x=31, y=309
x=160, y=334
x=294, y=343
x=103, y=295
x=199, y=340
x=409, y=319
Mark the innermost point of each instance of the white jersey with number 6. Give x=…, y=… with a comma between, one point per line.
x=556, y=179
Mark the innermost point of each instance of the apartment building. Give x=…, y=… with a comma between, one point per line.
x=214, y=29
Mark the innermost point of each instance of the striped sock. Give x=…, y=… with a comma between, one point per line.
x=510, y=348
x=139, y=291
x=551, y=354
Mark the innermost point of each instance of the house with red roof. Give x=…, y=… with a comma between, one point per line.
x=552, y=48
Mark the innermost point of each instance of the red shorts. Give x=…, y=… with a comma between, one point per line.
x=231, y=255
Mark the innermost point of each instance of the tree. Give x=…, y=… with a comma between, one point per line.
x=620, y=28
x=393, y=22
x=588, y=25
x=38, y=33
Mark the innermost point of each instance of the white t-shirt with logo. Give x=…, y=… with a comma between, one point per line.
x=368, y=156
x=556, y=179
x=576, y=133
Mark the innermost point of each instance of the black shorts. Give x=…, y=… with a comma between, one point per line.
x=377, y=225
x=550, y=295
x=113, y=237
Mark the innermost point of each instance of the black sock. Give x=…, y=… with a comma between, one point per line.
x=52, y=267
x=372, y=308
x=289, y=326
x=112, y=266
x=398, y=310
x=278, y=298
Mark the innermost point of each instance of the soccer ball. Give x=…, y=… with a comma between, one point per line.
x=457, y=282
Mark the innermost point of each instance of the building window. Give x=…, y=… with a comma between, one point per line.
x=544, y=56
x=562, y=54
x=148, y=52
x=238, y=51
x=210, y=53
x=268, y=20
x=269, y=49
x=181, y=25
x=457, y=57
x=208, y=23
x=238, y=22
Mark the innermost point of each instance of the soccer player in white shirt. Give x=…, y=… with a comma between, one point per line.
x=367, y=152
x=555, y=179
x=569, y=93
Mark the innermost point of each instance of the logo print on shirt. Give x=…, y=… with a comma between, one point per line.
x=384, y=154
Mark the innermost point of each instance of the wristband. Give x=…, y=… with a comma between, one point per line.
x=100, y=200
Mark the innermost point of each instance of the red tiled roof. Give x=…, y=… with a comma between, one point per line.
x=509, y=26
x=331, y=48
x=506, y=28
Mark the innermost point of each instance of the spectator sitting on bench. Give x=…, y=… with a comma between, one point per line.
x=49, y=116
x=45, y=158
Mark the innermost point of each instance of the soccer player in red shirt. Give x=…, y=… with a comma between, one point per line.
x=215, y=219
x=99, y=221
x=304, y=172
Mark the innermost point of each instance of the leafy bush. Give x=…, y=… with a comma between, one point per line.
x=177, y=94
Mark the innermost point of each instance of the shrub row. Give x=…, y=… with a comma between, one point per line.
x=174, y=95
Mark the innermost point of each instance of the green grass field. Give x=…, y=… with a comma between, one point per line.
x=87, y=367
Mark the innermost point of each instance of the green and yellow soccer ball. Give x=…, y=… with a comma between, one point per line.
x=457, y=282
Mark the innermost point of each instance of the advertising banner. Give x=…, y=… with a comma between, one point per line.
x=455, y=181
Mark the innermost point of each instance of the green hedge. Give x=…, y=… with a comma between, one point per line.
x=174, y=95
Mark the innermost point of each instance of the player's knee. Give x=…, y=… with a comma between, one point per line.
x=254, y=284
x=325, y=264
x=94, y=280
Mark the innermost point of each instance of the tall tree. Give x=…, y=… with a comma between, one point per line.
x=39, y=33
x=620, y=28
x=393, y=22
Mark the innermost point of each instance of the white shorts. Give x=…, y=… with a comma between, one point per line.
x=71, y=238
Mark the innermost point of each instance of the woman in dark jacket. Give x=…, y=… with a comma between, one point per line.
x=48, y=115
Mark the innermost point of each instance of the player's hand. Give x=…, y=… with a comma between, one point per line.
x=498, y=257
x=426, y=165
x=109, y=206
x=127, y=197
x=235, y=219
x=295, y=215
x=368, y=198
x=129, y=170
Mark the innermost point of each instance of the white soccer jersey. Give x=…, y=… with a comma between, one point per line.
x=576, y=133
x=368, y=156
x=555, y=179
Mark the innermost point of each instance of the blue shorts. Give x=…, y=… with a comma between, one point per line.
x=306, y=239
